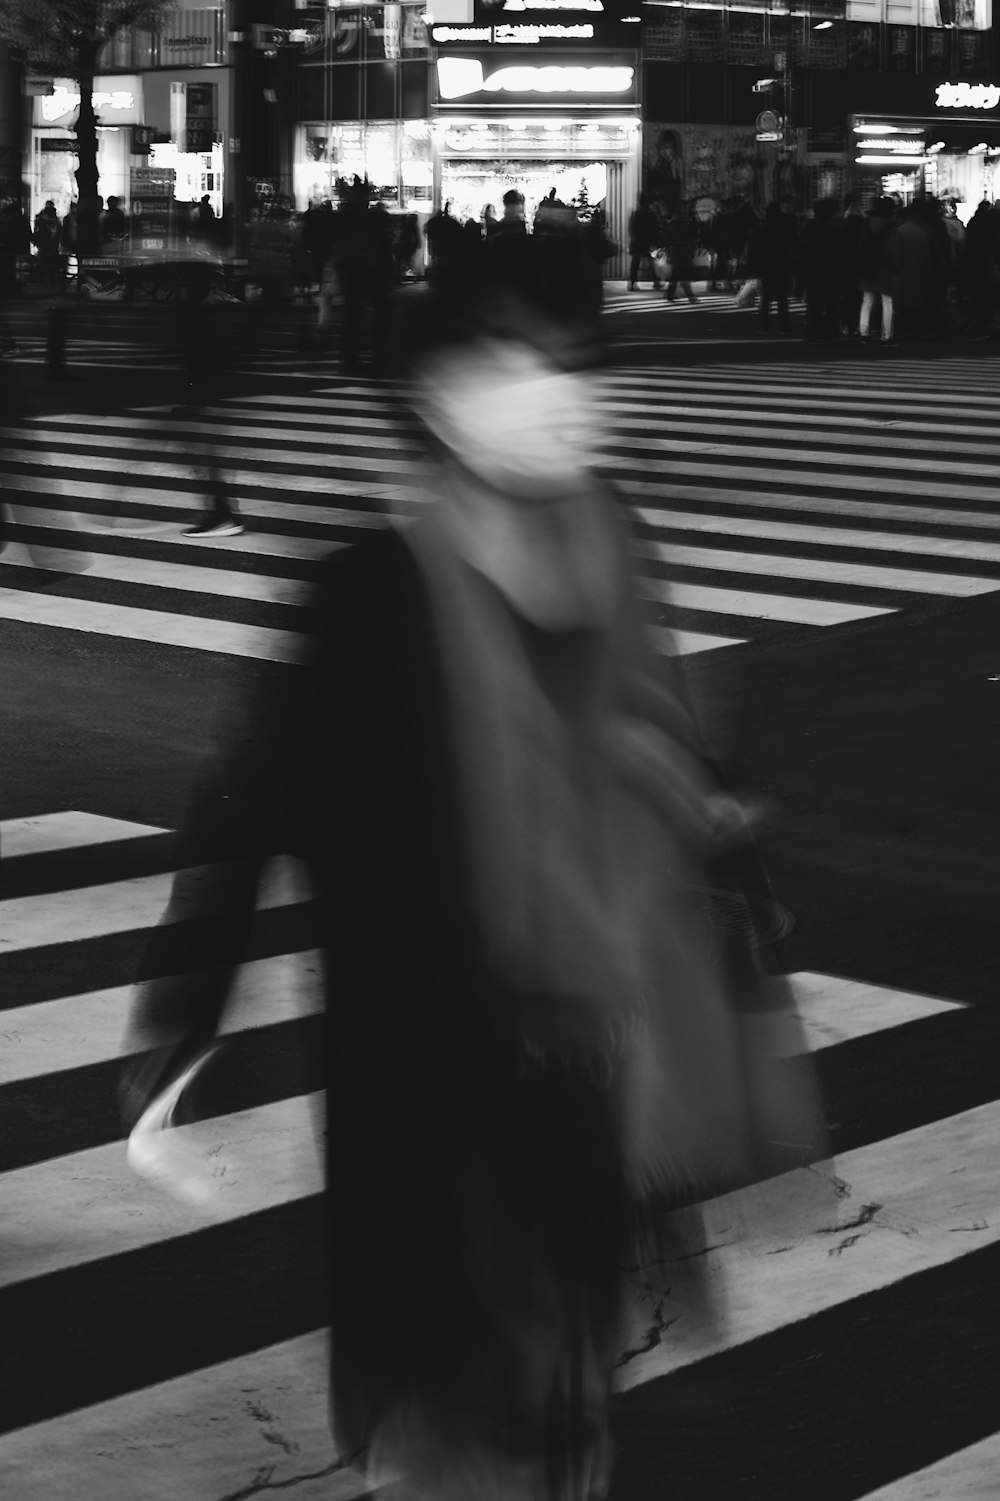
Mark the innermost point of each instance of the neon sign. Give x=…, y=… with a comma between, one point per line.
x=968, y=96
x=460, y=76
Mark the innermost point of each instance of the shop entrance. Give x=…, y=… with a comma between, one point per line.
x=591, y=163
x=470, y=185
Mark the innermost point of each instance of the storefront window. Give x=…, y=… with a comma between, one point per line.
x=394, y=156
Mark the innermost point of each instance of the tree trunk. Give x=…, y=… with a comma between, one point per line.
x=89, y=209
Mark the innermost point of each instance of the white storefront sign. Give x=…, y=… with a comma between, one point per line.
x=458, y=77
x=117, y=101
x=521, y=5
x=527, y=35
x=968, y=96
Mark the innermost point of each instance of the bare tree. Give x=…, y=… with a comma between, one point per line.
x=65, y=37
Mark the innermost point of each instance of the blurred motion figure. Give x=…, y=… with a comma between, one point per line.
x=535, y=1039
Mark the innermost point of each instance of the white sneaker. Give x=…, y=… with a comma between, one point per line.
x=230, y=526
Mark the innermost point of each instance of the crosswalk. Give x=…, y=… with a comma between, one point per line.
x=769, y=504
x=171, y=1352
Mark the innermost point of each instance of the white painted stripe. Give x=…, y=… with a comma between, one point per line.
x=28, y=922
x=779, y=1250
x=682, y=643
x=832, y=430
x=815, y=457
x=73, y=1031
x=155, y=626
x=334, y=427
x=289, y=477
x=746, y=385
x=788, y=1249
x=260, y=1423
x=329, y=456
x=195, y=578
x=46, y=833
x=981, y=549
x=77, y=1030
x=834, y=1009
x=74, y=1209
x=263, y=499
x=845, y=507
x=756, y=605
x=968, y=1475
x=825, y=570
x=680, y=468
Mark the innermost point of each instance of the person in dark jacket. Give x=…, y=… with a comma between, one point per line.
x=818, y=253
x=771, y=258
x=643, y=235
x=681, y=241
x=538, y=1039
x=363, y=261
x=46, y=238
x=878, y=262
x=850, y=231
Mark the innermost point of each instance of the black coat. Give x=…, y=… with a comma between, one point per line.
x=491, y=1201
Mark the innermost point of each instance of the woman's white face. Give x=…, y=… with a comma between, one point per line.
x=523, y=425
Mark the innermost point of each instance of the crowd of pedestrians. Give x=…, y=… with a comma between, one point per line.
x=882, y=273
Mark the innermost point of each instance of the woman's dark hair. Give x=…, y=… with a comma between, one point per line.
x=530, y=289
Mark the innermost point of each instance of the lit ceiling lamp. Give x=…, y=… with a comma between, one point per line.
x=889, y=161
x=822, y=26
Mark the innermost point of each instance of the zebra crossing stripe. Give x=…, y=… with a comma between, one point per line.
x=74, y=1031
x=158, y=627
x=28, y=922
x=982, y=549
x=899, y=1205
x=51, y=833
x=847, y=507
x=762, y=606
x=262, y=1418
x=968, y=1475
x=823, y=570
x=881, y=1215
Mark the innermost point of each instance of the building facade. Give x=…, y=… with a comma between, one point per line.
x=456, y=101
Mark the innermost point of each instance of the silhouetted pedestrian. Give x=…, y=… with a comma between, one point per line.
x=879, y=263
x=643, y=236
x=680, y=241
x=818, y=256
x=771, y=258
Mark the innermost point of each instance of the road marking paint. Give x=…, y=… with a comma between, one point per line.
x=824, y=570
x=86, y=912
x=756, y=605
x=75, y=1031
x=672, y=643
x=47, y=833
x=155, y=626
x=967, y=1475
x=831, y=535
x=795, y=1246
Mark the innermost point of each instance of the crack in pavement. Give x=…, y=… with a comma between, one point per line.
x=262, y=1483
x=654, y=1335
